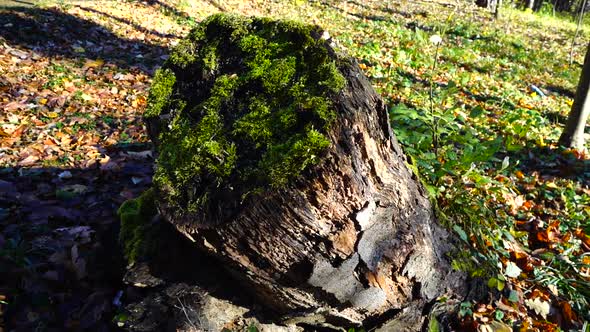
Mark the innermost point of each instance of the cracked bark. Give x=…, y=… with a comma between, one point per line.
x=352, y=240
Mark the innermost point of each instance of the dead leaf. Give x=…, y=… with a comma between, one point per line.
x=28, y=161
x=49, y=141
x=93, y=64
x=3, y=133
x=514, y=202
x=567, y=312
x=540, y=307
x=497, y=326
x=56, y=101
x=18, y=131
x=13, y=106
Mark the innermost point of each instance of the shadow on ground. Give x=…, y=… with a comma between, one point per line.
x=59, y=257
x=50, y=32
x=61, y=262
x=552, y=163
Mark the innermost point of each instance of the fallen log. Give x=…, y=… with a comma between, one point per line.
x=276, y=156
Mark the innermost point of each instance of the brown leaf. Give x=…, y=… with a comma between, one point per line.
x=28, y=161
x=567, y=312
x=582, y=236
x=15, y=105
x=58, y=101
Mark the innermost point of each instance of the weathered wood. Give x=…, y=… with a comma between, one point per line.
x=350, y=239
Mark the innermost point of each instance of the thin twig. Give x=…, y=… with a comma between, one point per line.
x=434, y=123
x=183, y=309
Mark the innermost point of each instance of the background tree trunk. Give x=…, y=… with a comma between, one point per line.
x=573, y=133
x=530, y=4
x=497, y=9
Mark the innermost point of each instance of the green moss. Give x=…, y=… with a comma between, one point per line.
x=184, y=54
x=282, y=161
x=258, y=104
x=137, y=235
x=160, y=92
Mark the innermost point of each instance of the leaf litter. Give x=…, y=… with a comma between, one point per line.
x=73, y=146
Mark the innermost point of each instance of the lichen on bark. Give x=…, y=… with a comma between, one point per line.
x=244, y=105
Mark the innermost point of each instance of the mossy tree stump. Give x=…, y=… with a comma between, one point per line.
x=276, y=156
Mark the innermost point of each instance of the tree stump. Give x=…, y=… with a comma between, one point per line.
x=276, y=156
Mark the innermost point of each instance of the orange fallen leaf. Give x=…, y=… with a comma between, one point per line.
x=549, y=235
x=3, y=133
x=566, y=309
x=49, y=141
x=522, y=103
x=65, y=141
x=528, y=205
x=18, y=131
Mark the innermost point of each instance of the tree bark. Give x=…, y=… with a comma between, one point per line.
x=497, y=9
x=351, y=240
x=530, y=4
x=573, y=133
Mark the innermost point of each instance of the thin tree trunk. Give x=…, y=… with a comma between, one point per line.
x=580, y=19
x=573, y=133
x=497, y=10
x=530, y=4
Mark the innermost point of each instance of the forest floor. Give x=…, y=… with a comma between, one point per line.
x=479, y=113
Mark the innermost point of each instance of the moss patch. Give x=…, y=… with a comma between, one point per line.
x=137, y=236
x=248, y=102
x=160, y=92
